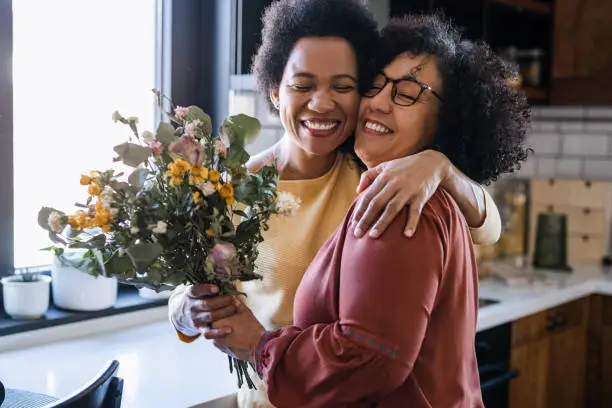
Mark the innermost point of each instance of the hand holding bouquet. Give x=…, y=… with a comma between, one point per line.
x=189, y=212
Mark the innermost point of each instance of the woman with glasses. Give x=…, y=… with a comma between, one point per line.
x=391, y=322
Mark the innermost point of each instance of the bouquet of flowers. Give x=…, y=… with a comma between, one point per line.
x=189, y=212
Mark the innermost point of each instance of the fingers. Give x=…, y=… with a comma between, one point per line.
x=391, y=210
x=371, y=204
x=203, y=319
x=368, y=177
x=414, y=215
x=216, y=334
x=210, y=304
x=202, y=290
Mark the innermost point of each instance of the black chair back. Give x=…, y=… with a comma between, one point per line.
x=2, y=393
x=103, y=391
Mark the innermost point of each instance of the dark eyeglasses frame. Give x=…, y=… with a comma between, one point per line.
x=394, y=82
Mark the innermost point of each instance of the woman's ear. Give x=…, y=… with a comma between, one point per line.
x=274, y=97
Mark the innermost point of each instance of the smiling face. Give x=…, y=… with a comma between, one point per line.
x=318, y=98
x=387, y=131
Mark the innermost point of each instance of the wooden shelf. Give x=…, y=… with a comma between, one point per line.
x=527, y=5
x=535, y=94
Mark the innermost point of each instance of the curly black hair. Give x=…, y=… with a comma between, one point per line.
x=287, y=21
x=483, y=121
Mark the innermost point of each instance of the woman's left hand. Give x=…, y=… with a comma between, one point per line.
x=245, y=332
x=390, y=186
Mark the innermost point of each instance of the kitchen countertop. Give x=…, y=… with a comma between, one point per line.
x=542, y=290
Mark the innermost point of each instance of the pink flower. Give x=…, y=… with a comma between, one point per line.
x=191, y=128
x=220, y=148
x=157, y=147
x=187, y=147
x=224, y=256
x=181, y=112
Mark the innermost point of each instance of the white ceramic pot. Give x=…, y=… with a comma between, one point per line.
x=74, y=289
x=151, y=294
x=26, y=300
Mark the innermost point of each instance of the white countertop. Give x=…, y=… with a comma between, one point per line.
x=152, y=359
x=544, y=289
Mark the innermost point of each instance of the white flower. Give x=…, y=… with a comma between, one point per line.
x=181, y=112
x=116, y=116
x=220, y=148
x=122, y=252
x=207, y=188
x=134, y=230
x=287, y=203
x=147, y=137
x=55, y=222
x=160, y=228
x=191, y=127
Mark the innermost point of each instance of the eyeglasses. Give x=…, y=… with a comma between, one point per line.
x=404, y=92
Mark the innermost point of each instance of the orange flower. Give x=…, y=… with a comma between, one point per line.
x=226, y=191
x=210, y=232
x=74, y=223
x=214, y=176
x=93, y=190
x=196, y=197
x=197, y=175
x=106, y=228
x=85, y=180
x=230, y=200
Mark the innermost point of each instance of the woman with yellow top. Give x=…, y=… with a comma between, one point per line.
x=315, y=58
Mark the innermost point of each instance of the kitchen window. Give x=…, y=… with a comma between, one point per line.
x=74, y=63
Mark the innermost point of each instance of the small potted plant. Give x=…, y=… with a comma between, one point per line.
x=26, y=294
x=79, y=278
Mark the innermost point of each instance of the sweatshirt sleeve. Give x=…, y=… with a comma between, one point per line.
x=388, y=288
x=185, y=334
x=490, y=230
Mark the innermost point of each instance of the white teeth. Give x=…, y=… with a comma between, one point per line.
x=377, y=127
x=320, y=125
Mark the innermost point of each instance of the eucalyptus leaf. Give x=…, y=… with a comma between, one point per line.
x=236, y=156
x=96, y=242
x=132, y=154
x=246, y=127
x=138, y=177
x=165, y=134
x=120, y=186
x=142, y=255
x=197, y=113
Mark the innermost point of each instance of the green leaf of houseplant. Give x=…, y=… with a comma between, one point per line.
x=96, y=242
x=142, y=255
x=118, y=265
x=132, y=154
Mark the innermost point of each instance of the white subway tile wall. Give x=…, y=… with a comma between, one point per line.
x=570, y=142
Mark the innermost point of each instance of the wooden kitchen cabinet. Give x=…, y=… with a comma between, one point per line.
x=549, y=349
x=599, y=356
x=582, y=56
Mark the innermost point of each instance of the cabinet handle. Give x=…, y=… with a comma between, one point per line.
x=585, y=238
x=560, y=319
x=588, y=184
x=551, y=323
x=551, y=182
x=551, y=208
x=586, y=211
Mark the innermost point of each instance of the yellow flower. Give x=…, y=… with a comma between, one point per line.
x=93, y=190
x=178, y=167
x=210, y=232
x=226, y=191
x=174, y=180
x=198, y=175
x=106, y=228
x=85, y=180
x=196, y=197
x=102, y=218
x=230, y=200
x=99, y=206
x=214, y=176
x=74, y=223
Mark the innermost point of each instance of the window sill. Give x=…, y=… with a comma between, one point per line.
x=128, y=300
